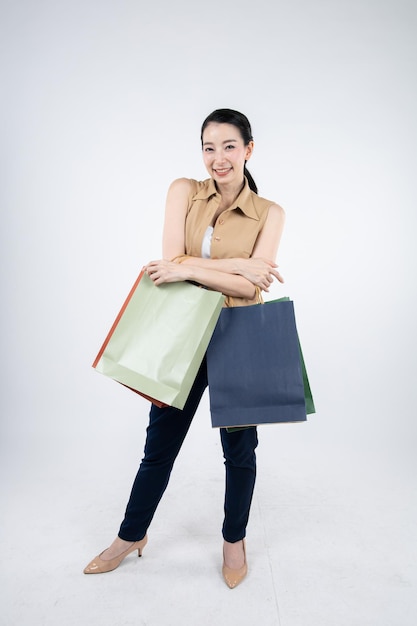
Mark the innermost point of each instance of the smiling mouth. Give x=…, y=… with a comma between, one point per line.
x=223, y=171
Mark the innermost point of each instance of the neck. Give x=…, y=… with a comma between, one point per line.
x=229, y=191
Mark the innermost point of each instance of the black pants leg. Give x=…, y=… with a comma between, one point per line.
x=240, y=462
x=165, y=434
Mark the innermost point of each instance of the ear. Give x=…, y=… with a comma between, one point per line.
x=249, y=150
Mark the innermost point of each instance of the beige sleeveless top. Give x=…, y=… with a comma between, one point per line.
x=235, y=230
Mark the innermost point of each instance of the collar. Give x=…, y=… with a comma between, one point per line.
x=244, y=201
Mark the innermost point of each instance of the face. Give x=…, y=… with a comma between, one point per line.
x=225, y=153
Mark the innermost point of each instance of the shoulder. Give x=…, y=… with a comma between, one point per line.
x=275, y=218
x=266, y=208
x=192, y=189
x=189, y=184
x=180, y=185
x=269, y=204
x=276, y=210
x=180, y=191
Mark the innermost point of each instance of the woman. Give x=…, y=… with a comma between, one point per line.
x=220, y=234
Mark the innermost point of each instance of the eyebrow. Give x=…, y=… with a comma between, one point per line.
x=210, y=143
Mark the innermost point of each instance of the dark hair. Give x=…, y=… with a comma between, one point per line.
x=229, y=116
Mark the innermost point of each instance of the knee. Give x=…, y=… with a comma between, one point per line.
x=239, y=448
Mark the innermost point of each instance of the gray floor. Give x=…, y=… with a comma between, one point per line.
x=331, y=541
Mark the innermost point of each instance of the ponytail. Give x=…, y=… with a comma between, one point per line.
x=251, y=182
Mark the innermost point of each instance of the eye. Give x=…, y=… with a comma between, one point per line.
x=208, y=149
x=230, y=147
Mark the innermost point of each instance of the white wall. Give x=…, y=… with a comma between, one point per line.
x=101, y=108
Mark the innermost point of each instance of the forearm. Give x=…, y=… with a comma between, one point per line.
x=259, y=271
x=229, y=266
x=229, y=284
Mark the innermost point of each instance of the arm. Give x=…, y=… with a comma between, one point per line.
x=216, y=278
x=173, y=238
x=260, y=270
x=163, y=271
x=233, y=277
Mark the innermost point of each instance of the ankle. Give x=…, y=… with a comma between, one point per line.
x=116, y=549
x=234, y=554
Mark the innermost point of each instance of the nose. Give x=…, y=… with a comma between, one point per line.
x=220, y=157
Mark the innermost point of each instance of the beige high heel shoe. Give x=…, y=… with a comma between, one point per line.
x=233, y=577
x=99, y=566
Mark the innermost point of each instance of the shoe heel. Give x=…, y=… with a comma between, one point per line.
x=142, y=543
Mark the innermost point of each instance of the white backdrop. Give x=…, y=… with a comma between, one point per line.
x=101, y=108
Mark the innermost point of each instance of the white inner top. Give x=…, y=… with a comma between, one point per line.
x=206, y=245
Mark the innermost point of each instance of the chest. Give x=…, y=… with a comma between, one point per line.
x=234, y=233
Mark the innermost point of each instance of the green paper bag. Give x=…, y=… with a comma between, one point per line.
x=159, y=338
x=308, y=396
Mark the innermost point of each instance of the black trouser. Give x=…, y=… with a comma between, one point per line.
x=165, y=434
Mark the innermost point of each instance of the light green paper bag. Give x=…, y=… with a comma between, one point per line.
x=158, y=340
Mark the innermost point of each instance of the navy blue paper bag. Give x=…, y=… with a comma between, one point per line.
x=255, y=367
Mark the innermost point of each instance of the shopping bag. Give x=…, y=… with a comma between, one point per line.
x=159, y=338
x=308, y=396
x=255, y=367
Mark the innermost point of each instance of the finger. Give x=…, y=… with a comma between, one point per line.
x=154, y=273
x=276, y=274
x=153, y=263
x=279, y=277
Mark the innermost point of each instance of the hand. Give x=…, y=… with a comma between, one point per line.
x=166, y=272
x=261, y=272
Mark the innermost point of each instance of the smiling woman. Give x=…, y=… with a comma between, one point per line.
x=243, y=251
x=220, y=234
